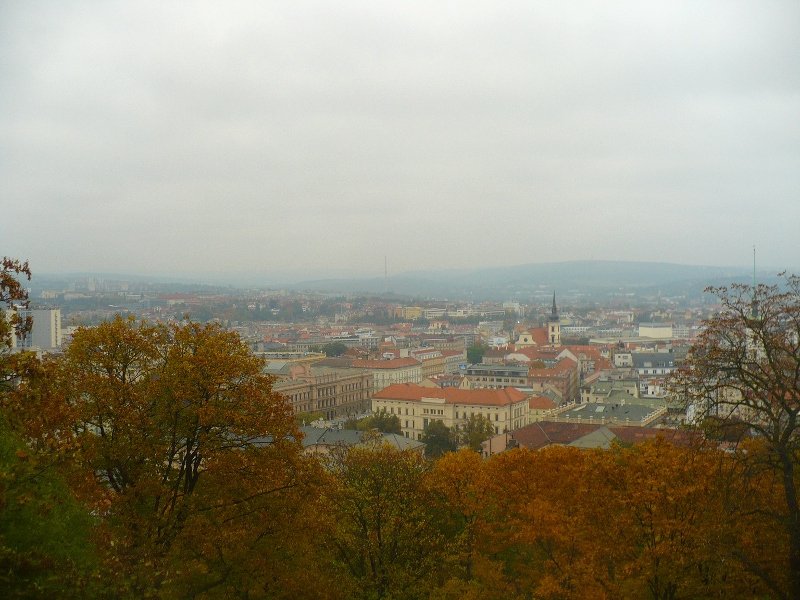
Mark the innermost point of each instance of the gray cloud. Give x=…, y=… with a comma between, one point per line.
x=181, y=137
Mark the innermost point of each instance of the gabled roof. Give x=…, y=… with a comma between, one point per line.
x=634, y=435
x=602, y=437
x=485, y=397
x=541, y=403
x=313, y=436
x=545, y=433
x=535, y=353
x=538, y=335
x=564, y=366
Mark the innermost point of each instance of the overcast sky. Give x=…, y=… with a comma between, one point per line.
x=252, y=137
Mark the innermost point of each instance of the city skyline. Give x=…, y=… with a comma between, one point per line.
x=258, y=138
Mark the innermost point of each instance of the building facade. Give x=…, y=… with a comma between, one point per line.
x=389, y=372
x=417, y=407
x=46, y=331
x=496, y=376
x=336, y=393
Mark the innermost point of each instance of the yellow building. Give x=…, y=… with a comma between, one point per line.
x=417, y=406
x=388, y=372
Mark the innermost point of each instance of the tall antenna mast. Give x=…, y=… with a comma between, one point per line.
x=386, y=274
x=754, y=303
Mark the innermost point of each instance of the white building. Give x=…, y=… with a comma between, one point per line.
x=46, y=331
x=656, y=331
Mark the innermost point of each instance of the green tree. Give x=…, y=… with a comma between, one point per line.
x=744, y=372
x=45, y=535
x=475, y=354
x=386, y=423
x=438, y=439
x=476, y=430
x=381, y=420
x=45, y=547
x=305, y=418
x=334, y=349
x=383, y=536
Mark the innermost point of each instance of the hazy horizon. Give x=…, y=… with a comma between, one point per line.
x=457, y=276
x=253, y=138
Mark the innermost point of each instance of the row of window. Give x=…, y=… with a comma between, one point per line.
x=431, y=411
x=351, y=386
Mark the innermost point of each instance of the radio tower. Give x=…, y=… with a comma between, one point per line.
x=754, y=304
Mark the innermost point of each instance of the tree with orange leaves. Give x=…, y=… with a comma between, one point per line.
x=13, y=295
x=650, y=521
x=460, y=494
x=173, y=429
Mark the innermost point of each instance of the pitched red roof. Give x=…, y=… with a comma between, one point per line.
x=562, y=367
x=541, y=403
x=633, y=435
x=534, y=353
x=544, y=433
x=590, y=353
x=539, y=336
x=414, y=392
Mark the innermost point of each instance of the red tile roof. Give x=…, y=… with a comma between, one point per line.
x=562, y=367
x=414, y=392
x=545, y=433
x=534, y=353
x=679, y=437
x=541, y=403
x=539, y=336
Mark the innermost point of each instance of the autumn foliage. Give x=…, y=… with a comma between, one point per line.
x=172, y=436
x=193, y=482
x=162, y=453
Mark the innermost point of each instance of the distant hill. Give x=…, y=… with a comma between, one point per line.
x=573, y=278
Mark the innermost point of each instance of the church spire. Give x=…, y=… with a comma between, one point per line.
x=553, y=326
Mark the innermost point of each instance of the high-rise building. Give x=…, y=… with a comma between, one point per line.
x=46, y=330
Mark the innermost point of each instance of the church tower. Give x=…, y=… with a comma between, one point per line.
x=554, y=325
